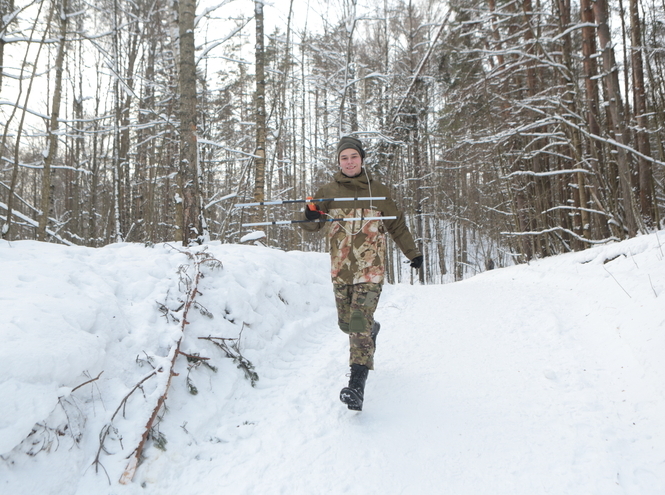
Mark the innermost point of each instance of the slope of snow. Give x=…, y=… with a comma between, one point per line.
x=536, y=379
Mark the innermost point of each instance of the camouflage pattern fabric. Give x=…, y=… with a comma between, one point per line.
x=358, y=252
x=356, y=305
x=357, y=249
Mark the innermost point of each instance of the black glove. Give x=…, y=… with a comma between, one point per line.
x=312, y=214
x=417, y=262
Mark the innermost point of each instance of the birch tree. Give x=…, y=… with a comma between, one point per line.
x=260, y=106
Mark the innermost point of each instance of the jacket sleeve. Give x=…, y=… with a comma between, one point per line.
x=323, y=206
x=398, y=230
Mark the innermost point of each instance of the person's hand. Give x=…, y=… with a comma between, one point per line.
x=417, y=262
x=314, y=214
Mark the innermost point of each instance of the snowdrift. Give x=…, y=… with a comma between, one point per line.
x=539, y=378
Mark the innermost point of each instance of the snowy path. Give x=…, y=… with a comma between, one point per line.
x=477, y=390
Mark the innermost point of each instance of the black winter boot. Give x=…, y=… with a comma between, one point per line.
x=354, y=394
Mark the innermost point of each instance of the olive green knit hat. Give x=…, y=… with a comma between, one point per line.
x=350, y=142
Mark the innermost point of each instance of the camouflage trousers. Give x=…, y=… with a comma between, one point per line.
x=356, y=305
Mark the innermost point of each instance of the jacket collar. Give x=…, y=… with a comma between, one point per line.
x=362, y=179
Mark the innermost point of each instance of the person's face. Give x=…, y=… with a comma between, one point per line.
x=350, y=162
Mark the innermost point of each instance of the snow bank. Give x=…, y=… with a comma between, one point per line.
x=540, y=378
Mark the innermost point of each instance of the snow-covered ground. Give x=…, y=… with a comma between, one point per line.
x=536, y=379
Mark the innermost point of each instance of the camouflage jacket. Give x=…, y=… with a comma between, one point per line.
x=358, y=248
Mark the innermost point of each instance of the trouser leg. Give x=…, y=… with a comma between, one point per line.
x=356, y=305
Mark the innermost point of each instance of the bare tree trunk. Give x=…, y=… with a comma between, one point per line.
x=118, y=191
x=349, y=75
x=591, y=86
x=539, y=164
x=93, y=204
x=631, y=220
x=415, y=117
x=131, y=49
x=53, y=123
x=6, y=7
x=626, y=72
x=78, y=152
x=260, y=160
x=144, y=198
x=606, y=182
x=581, y=219
x=640, y=108
x=280, y=145
x=5, y=231
x=188, y=173
x=495, y=32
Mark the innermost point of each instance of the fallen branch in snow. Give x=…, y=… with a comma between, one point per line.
x=194, y=361
x=123, y=402
x=85, y=383
x=193, y=357
x=109, y=428
x=191, y=292
x=233, y=352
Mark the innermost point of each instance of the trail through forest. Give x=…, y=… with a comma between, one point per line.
x=535, y=379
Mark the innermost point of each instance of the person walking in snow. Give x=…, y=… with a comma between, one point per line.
x=358, y=252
